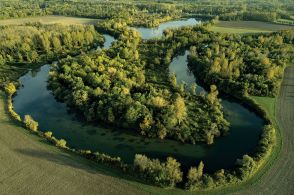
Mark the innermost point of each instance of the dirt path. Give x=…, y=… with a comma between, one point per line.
x=280, y=178
x=29, y=166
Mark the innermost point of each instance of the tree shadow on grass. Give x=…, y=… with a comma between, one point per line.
x=66, y=158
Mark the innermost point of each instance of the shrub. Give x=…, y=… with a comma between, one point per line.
x=48, y=134
x=10, y=88
x=30, y=123
x=61, y=143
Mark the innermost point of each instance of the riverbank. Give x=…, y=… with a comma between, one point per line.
x=26, y=157
x=43, y=155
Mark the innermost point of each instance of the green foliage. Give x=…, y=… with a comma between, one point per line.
x=32, y=43
x=113, y=86
x=151, y=13
x=13, y=114
x=247, y=166
x=10, y=89
x=194, y=176
x=243, y=64
x=166, y=174
x=30, y=123
x=48, y=134
x=61, y=143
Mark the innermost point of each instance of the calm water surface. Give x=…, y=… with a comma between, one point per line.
x=35, y=99
x=149, y=33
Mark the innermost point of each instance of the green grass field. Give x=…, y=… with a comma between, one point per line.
x=50, y=20
x=247, y=27
x=269, y=104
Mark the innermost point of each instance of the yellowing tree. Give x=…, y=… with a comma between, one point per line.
x=10, y=88
x=158, y=101
x=30, y=123
x=180, y=108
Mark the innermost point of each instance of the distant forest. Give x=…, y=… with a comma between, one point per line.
x=151, y=13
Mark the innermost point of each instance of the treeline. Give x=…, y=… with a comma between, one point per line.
x=112, y=86
x=20, y=9
x=151, y=13
x=32, y=43
x=134, y=14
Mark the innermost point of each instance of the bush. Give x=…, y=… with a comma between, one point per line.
x=48, y=134
x=30, y=123
x=61, y=143
x=10, y=88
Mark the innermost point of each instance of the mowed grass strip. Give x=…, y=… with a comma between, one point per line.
x=247, y=27
x=65, y=20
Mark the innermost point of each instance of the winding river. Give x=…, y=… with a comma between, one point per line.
x=35, y=99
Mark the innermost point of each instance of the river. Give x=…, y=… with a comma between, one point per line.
x=35, y=99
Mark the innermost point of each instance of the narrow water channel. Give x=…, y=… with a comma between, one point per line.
x=35, y=99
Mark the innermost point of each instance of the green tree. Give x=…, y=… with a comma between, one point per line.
x=56, y=44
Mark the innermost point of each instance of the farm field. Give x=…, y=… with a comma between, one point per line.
x=247, y=27
x=50, y=20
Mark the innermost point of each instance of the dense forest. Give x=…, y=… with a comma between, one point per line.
x=249, y=64
x=151, y=13
x=32, y=43
x=111, y=86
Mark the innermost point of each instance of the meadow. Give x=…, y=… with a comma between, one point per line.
x=247, y=27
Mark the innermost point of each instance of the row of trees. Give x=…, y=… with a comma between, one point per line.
x=168, y=173
x=151, y=13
